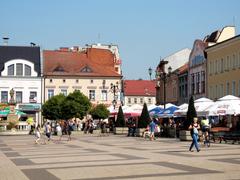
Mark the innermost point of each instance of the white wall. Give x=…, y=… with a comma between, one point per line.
x=22, y=84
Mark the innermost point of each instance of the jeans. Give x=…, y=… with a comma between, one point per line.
x=194, y=142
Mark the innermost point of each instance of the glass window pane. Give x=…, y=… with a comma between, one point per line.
x=11, y=70
x=50, y=93
x=33, y=97
x=104, y=95
x=92, y=95
x=19, y=69
x=18, y=96
x=64, y=92
x=27, y=70
x=4, y=97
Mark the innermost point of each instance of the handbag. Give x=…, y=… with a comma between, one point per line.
x=195, y=131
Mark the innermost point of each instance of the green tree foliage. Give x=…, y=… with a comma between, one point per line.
x=120, y=122
x=191, y=113
x=76, y=105
x=144, y=119
x=99, y=112
x=51, y=109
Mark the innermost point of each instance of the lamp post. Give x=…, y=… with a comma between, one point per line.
x=150, y=72
x=161, y=75
x=114, y=90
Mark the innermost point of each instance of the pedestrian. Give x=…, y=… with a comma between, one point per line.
x=69, y=129
x=48, y=131
x=152, y=126
x=59, y=131
x=37, y=134
x=194, y=127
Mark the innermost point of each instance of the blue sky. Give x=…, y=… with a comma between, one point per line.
x=144, y=30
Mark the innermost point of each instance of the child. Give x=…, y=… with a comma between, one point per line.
x=37, y=134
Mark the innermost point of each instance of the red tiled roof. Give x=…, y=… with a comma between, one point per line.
x=183, y=69
x=139, y=88
x=68, y=63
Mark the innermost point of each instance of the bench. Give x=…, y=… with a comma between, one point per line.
x=232, y=136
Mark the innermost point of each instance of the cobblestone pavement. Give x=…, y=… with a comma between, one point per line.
x=115, y=157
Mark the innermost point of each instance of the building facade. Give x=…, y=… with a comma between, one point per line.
x=139, y=92
x=92, y=71
x=197, y=60
x=223, y=68
x=20, y=70
x=167, y=76
x=183, y=84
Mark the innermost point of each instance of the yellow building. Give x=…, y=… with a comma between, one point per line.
x=223, y=68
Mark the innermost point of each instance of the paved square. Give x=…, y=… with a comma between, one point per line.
x=115, y=157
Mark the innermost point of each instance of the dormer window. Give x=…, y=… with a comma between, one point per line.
x=59, y=69
x=11, y=70
x=86, y=69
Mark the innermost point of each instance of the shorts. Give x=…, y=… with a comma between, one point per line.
x=48, y=135
x=151, y=133
x=205, y=128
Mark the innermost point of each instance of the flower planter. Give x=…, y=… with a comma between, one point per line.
x=121, y=130
x=139, y=132
x=185, y=135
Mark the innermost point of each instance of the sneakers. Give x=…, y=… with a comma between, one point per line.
x=198, y=150
x=190, y=150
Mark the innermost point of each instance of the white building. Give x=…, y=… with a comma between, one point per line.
x=20, y=70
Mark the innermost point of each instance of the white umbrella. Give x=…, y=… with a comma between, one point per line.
x=227, y=105
x=200, y=105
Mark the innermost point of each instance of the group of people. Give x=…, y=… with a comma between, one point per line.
x=62, y=128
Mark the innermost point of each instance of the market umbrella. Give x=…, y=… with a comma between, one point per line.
x=227, y=105
x=169, y=112
x=155, y=111
x=4, y=113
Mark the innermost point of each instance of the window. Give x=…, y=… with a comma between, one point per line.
x=149, y=101
x=227, y=90
x=33, y=97
x=129, y=101
x=221, y=90
x=64, y=92
x=50, y=93
x=18, y=96
x=210, y=92
x=4, y=97
x=92, y=95
x=19, y=69
x=193, y=84
x=216, y=91
x=135, y=100
x=27, y=70
x=64, y=80
x=216, y=67
x=104, y=95
x=203, y=82
x=77, y=80
x=11, y=70
x=228, y=63
x=233, y=88
x=141, y=100
x=91, y=81
x=198, y=83
x=50, y=80
x=234, y=61
x=221, y=65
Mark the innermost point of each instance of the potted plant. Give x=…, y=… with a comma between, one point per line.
x=120, y=123
x=143, y=120
x=184, y=134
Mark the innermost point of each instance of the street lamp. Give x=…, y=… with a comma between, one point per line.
x=161, y=75
x=150, y=72
x=114, y=90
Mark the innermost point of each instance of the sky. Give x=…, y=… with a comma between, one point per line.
x=144, y=30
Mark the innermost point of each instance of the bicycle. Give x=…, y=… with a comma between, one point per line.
x=206, y=136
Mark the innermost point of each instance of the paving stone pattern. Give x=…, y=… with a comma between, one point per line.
x=114, y=157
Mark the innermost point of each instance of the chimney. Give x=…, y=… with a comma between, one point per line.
x=5, y=41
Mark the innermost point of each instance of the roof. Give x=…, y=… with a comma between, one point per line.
x=30, y=53
x=139, y=88
x=92, y=62
x=183, y=69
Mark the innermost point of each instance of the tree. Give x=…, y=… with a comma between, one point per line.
x=191, y=113
x=144, y=119
x=120, y=122
x=76, y=105
x=51, y=109
x=100, y=111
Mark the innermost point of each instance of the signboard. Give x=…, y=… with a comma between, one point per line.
x=29, y=107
